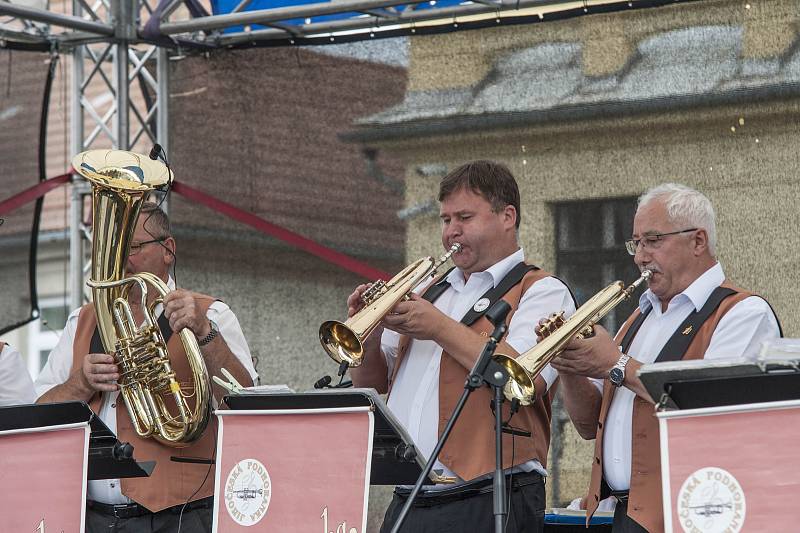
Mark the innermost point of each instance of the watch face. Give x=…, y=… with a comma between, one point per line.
x=616, y=376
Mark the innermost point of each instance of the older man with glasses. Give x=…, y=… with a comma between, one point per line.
x=690, y=311
x=178, y=494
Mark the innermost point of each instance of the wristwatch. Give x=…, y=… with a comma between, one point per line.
x=617, y=373
x=212, y=334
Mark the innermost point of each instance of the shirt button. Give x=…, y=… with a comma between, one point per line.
x=113, y=406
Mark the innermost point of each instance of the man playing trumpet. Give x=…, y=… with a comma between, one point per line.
x=690, y=311
x=427, y=348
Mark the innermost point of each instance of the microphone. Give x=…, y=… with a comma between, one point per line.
x=156, y=151
x=497, y=315
x=322, y=382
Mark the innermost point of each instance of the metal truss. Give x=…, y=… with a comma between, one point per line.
x=364, y=19
x=186, y=23
x=119, y=93
x=119, y=99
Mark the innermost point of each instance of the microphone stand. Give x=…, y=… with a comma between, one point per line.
x=486, y=370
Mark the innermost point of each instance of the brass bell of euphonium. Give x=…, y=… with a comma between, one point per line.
x=557, y=333
x=344, y=341
x=154, y=397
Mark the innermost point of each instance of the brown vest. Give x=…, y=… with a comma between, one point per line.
x=171, y=483
x=645, y=504
x=469, y=451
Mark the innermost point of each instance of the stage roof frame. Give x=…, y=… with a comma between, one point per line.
x=165, y=24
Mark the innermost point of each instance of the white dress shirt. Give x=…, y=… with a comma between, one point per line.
x=415, y=392
x=739, y=334
x=59, y=366
x=16, y=386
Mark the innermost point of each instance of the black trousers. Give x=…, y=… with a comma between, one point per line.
x=166, y=521
x=470, y=509
x=624, y=523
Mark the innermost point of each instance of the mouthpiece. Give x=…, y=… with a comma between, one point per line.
x=453, y=249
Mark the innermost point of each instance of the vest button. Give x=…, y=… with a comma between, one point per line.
x=596, y=498
x=600, y=425
x=597, y=460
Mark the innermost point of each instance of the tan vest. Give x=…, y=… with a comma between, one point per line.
x=470, y=449
x=645, y=504
x=171, y=483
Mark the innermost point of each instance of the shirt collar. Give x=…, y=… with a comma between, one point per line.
x=697, y=293
x=497, y=271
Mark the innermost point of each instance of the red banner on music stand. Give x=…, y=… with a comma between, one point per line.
x=293, y=470
x=731, y=469
x=43, y=478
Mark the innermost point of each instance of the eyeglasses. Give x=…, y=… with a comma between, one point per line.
x=136, y=247
x=651, y=241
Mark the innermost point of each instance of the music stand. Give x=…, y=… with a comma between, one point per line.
x=715, y=383
x=395, y=460
x=727, y=436
x=108, y=457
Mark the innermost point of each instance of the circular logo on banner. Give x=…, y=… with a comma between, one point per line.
x=247, y=492
x=481, y=305
x=711, y=500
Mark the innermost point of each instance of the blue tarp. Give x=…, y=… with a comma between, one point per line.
x=221, y=7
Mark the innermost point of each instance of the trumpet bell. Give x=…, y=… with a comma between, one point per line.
x=520, y=383
x=341, y=343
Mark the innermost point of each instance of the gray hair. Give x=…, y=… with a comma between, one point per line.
x=156, y=221
x=686, y=207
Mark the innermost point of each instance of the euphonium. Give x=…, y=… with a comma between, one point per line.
x=557, y=333
x=155, y=399
x=344, y=341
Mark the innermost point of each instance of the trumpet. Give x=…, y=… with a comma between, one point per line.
x=344, y=341
x=557, y=333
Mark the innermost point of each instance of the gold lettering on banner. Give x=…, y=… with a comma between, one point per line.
x=340, y=528
x=41, y=527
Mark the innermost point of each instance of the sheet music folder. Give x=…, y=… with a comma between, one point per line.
x=714, y=383
x=395, y=460
x=103, y=460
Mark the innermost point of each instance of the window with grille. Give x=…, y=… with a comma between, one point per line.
x=590, y=250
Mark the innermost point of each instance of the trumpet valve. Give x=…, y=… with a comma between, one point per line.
x=552, y=323
x=374, y=290
x=587, y=332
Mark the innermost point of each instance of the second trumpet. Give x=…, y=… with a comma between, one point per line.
x=557, y=333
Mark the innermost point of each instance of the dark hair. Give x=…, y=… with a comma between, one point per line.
x=491, y=180
x=156, y=221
